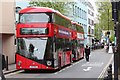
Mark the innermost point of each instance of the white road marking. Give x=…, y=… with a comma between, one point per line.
x=88, y=69
x=95, y=64
x=14, y=73
x=56, y=73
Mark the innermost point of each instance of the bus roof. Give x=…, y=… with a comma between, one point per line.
x=36, y=9
x=75, y=23
x=42, y=9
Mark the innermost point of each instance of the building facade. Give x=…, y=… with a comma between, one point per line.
x=8, y=29
x=78, y=13
x=90, y=23
x=82, y=12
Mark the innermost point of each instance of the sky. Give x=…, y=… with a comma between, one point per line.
x=22, y=4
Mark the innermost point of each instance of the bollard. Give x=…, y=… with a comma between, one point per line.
x=7, y=63
x=106, y=78
x=110, y=72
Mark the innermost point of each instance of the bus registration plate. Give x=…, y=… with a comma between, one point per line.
x=33, y=66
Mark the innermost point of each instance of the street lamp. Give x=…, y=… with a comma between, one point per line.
x=17, y=9
x=116, y=26
x=108, y=33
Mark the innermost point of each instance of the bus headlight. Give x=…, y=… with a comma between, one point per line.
x=49, y=63
x=19, y=63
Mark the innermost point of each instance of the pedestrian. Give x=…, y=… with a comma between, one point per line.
x=87, y=53
x=110, y=49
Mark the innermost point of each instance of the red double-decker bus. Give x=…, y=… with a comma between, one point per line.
x=43, y=39
x=77, y=42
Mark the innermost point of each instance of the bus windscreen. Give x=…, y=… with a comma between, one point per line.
x=33, y=48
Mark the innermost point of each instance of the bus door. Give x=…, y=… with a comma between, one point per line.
x=67, y=50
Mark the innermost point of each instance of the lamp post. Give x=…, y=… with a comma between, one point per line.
x=108, y=33
x=116, y=26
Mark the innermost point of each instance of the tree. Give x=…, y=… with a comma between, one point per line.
x=60, y=6
x=105, y=17
x=97, y=31
x=112, y=37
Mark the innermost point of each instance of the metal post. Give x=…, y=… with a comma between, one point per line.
x=115, y=66
x=110, y=72
x=108, y=26
x=115, y=17
x=115, y=54
x=108, y=20
x=7, y=63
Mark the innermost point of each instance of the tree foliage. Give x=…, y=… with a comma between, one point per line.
x=60, y=6
x=105, y=17
x=97, y=30
x=112, y=38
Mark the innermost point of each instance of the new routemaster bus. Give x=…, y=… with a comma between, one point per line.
x=43, y=39
x=77, y=42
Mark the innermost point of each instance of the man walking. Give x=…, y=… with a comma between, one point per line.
x=87, y=53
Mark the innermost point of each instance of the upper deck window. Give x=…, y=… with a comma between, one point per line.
x=35, y=17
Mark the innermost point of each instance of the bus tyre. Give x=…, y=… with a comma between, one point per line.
x=59, y=64
x=83, y=54
x=27, y=70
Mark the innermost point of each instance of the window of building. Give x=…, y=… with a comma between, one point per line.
x=92, y=14
x=85, y=15
x=80, y=12
x=89, y=30
x=92, y=31
x=88, y=11
x=76, y=10
x=73, y=9
x=92, y=22
x=88, y=21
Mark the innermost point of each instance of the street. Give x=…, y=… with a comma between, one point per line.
x=99, y=61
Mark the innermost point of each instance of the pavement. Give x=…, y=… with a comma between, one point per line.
x=12, y=68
